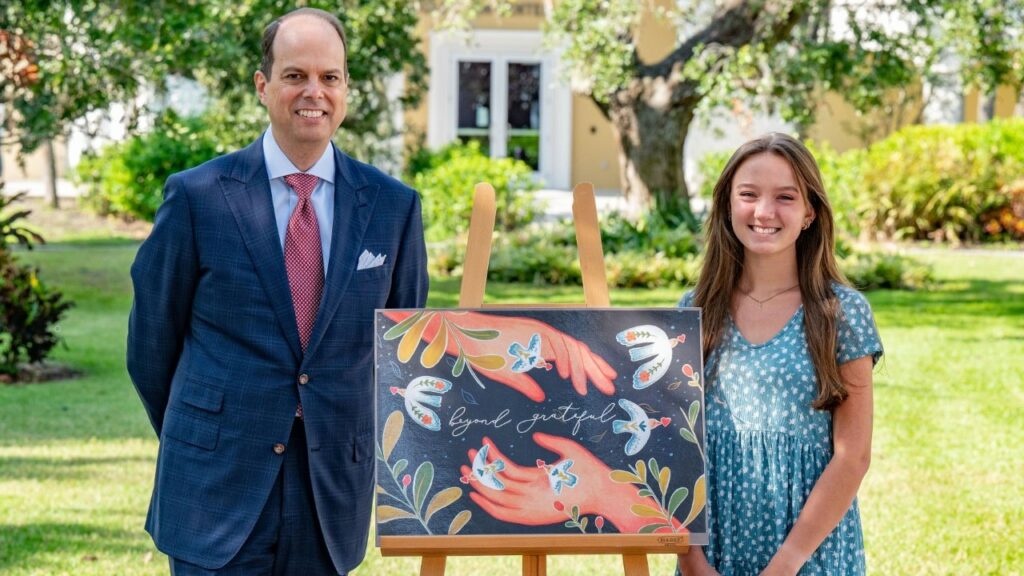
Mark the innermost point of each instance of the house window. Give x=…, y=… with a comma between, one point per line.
x=475, y=104
x=503, y=90
x=524, y=113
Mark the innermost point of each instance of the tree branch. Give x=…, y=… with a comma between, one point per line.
x=736, y=24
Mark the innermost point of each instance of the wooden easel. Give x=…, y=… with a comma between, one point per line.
x=534, y=549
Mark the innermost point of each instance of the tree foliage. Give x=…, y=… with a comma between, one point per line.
x=62, y=60
x=776, y=55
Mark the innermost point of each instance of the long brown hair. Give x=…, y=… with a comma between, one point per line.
x=816, y=263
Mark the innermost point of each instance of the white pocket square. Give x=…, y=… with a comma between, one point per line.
x=370, y=260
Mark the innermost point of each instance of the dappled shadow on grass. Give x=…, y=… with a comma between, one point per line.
x=21, y=546
x=59, y=469
x=954, y=303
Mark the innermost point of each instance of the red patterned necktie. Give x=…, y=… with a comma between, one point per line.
x=303, y=258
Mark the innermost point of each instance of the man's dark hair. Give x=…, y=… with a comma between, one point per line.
x=271, y=32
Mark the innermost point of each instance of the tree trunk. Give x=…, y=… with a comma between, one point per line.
x=651, y=143
x=50, y=174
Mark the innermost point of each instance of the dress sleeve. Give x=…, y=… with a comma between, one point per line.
x=687, y=300
x=858, y=335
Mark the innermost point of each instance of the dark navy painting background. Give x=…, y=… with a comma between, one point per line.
x=595, y=327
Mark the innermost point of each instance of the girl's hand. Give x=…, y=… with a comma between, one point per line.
x=571, y=358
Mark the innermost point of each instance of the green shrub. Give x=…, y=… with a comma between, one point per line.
x=882, y=270
x=29, y=311
x=935, y=182
x=127, y=178
x=445, y=180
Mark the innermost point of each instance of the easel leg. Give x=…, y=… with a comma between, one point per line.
x=535, y=565
x=635, y=564
x=432, y=566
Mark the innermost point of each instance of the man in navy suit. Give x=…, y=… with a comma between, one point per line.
x=250, y=340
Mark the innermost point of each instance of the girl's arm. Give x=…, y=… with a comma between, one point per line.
x=695, y=563
x=835, y=489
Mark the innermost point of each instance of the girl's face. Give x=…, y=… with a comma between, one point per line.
x=767, y=208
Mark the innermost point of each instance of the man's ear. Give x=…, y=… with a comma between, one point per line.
x=261, y=85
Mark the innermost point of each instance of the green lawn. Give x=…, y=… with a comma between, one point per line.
x=943, y=496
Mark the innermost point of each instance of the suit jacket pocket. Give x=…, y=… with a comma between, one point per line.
x=191, y=429
x=201, y=395
x=362, y=447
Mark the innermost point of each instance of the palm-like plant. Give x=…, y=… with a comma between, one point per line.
x=12, y=230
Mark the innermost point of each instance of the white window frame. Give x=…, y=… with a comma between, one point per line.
x=499, y=48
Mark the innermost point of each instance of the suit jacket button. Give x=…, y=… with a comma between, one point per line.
x=303, y=379
x=278, y=448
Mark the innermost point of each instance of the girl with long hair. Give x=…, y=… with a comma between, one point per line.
x=789, y=349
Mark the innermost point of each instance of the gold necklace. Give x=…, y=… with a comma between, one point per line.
x=761, y=303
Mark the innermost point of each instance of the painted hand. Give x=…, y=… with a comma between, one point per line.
x=529, y=497
x=493, y=356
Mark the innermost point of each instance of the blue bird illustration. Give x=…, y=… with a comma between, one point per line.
x=638, y=426
x=486, y=474
x=528, y=357
x=559, y=475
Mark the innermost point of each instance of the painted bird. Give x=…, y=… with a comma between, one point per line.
x=559, y=475
x=638, y=426
x=528, y=357
x=423, y=390
x=486, y=474
x=658, y=345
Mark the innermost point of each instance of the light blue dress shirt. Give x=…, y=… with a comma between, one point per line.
x=285, y=199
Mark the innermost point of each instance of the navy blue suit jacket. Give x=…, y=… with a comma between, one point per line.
x=213, y=350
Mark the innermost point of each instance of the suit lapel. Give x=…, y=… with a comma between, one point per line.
x=354, y=200
x=247, y=193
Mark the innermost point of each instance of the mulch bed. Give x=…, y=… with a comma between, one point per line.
x=39, y=372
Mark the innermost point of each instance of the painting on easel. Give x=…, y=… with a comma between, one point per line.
x=540, y=421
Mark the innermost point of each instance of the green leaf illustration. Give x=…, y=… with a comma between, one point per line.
x=678, y=496
x=641, y=471
x=653, y=467
x=459, y=521
x=694, y=411
x=571, y=524
x=645, y=492
x=576, y=513
x=686, y=434
x=479, y=334
x=460, y=363
x=402, y=327
x=399, y=467
x=650, y=528
x=421, y=483
x=583, y=523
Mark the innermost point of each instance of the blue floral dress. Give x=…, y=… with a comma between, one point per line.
x=766, y=446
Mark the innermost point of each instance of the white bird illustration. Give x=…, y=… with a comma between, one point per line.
x=658, y=345
x=423, y=390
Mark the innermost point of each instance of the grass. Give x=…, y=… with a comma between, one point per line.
x=943, y=495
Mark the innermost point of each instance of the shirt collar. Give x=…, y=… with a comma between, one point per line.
x=279, y=166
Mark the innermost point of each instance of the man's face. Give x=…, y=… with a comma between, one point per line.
x=305, y=94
